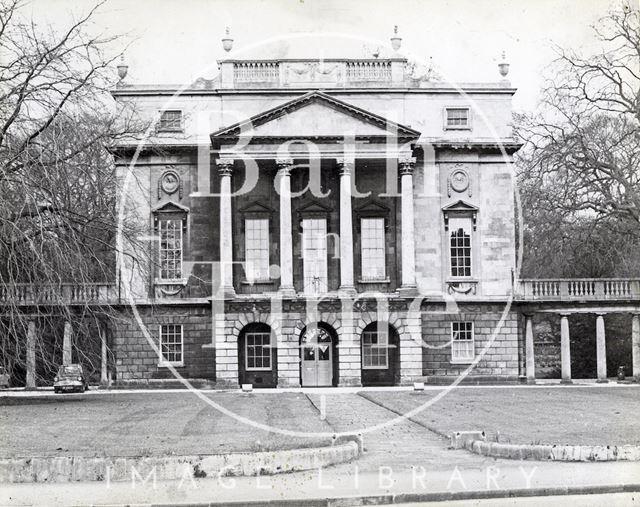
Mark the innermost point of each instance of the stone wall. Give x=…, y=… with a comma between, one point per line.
x=136, y=359
x=424, y=340
x=502, y=356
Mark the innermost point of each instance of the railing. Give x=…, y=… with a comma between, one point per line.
x=256, y=72
x=55, y=294
x=369, y=71
x=306, y=73
x=579, y=289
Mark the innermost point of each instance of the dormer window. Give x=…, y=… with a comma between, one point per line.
x=457, y=118
x=170, y=121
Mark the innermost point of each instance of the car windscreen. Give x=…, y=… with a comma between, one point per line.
x=70, y=370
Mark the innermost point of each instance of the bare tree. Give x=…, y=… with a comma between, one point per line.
x=58, y=186
x=583, y=148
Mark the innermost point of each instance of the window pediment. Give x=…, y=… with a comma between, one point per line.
x=312, y=207
x=256, y=209
x=457, y=209
x=170, y=207
x=372, y=208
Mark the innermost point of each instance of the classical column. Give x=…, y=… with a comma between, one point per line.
x=67, y=350
x=407, y=224
x=565, y=349
x=225, y=168
x=345, y=166
x=104, y=365
x=601, y=349
x=529, y=350
x=31, y=355
x=635, y=344
x=286, y=234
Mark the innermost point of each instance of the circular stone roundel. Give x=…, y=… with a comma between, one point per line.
x=170, y=182
x=459, y=180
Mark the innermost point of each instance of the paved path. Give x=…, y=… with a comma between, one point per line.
x=441, y=484
x=401, y=445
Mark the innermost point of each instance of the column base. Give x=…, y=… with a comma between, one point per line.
x=287, y=291
x=602, y=381
x=531, y=381
x=408, y=291
x=566, y=381
x=228, y=292
x=347, y=291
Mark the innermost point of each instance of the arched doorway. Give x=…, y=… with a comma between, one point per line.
x=257, y=356
x=318, y=356
x=380, y=355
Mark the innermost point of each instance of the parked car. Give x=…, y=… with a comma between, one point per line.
x=70, y=377
x=4, y=378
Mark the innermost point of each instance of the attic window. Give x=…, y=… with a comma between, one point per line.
x=170, y=121
x=457, y=118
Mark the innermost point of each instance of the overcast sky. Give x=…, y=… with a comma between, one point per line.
x=173, y=41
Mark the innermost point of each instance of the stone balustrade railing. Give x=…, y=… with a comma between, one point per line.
x=306, y=73
x=53, y=294
x=579, y=289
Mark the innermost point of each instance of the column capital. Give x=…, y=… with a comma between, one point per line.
x=407, y=165
x=345, y=165
x=225, y=166
x=284, y=164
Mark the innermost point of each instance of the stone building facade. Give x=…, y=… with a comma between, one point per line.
x=319, y=222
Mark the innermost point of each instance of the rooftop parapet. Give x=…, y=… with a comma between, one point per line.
x=314, y=73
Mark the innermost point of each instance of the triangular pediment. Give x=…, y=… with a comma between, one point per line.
x=313, y=207
x=313, y=115
x=460, y=206
x=256, y=207
x=170, y=207
x=372, y=208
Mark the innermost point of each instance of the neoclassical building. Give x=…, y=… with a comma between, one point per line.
x=319, y=222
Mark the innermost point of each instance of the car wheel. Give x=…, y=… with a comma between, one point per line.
x=56, y=390
x=82, y=389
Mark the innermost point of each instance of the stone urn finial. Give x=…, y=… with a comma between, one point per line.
x=227, y=40
x=396, y=40
x=123, y=68
x=503, y=66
